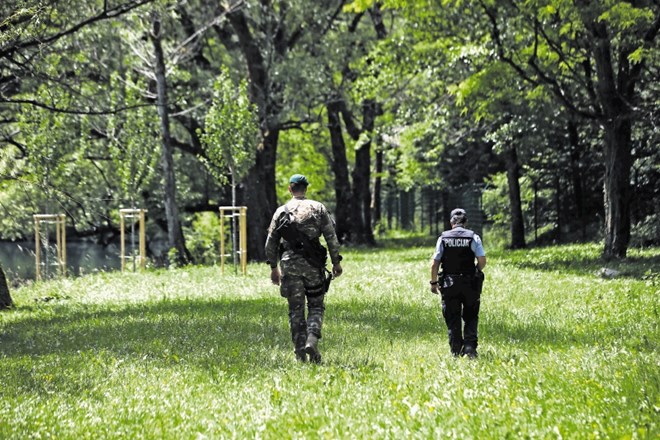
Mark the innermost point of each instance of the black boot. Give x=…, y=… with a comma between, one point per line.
x=470, y=351
x=312, y=350
x=299, y=350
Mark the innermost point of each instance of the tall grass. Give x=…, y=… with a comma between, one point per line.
x=191, y=354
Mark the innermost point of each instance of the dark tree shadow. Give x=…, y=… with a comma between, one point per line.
x=637, y=267
x=245, y=337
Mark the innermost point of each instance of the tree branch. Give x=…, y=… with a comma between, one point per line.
x=295, y=124
x=349, y=121
x=116, y=11
x=333, y=17
x=554, y=86
x=71, y=111
x=650, y=35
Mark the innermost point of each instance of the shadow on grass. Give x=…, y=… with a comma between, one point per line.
x=237, y=334
x=228, y=329
x=237, y=337
x=533, y=336
x=577, y=261
x=407, y=242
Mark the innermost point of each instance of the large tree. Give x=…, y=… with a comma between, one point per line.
x=175, y=237
x=592, y=55
x=277, y=42
x=108, y=82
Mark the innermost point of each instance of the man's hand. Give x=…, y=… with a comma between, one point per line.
x=337, y=270
x=435, y=266
x=275, y=276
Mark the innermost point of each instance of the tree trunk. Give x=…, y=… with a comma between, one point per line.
x=5, y=298
x=618, y=162
x=361, y=201
x=615, y=94
x=558, y=205
x=360, y=182
x=234, y=223
x=578, y=184
x=405, y=202
x=513, y=179
x=391, y=205
x=260, y=195
x=340, y=170
x=174, y=232
x=377, y=196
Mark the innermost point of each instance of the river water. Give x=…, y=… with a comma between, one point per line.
x=19, y=262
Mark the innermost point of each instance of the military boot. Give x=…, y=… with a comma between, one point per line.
x=299, y=349
x=312, y=350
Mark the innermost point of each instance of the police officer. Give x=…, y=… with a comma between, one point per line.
x=301, y=281
x=460, y=282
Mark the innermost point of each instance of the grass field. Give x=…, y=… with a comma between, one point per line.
x=191, y=354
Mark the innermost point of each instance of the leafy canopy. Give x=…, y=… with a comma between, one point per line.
x=230, y=129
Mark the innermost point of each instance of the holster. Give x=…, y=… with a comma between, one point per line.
x=478, y=282
x=322, y=288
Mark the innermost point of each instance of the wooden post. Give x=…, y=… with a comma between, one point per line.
x=61, y=246
x=241, y=213
x=60, y=240
x=122, y=246
x=143, y=240
x=243, y=239
x=142, y=246
x=37, y=247
x=222, y=241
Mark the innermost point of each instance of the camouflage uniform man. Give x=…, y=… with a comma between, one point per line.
x=460, y=283
x=300, y=280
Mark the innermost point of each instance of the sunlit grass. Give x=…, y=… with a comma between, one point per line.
x=189, y=353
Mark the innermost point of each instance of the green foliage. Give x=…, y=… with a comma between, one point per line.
x=231, y=129
x=495, y=199
x=624, y=17
x=418, y=157
x=440, y=68
x=134, y=137
x=305, y=152
x=202, y=238
x=647, y=231
x=190, y=353
x=46, y=137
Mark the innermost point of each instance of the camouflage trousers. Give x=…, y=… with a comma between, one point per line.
x=303, y=290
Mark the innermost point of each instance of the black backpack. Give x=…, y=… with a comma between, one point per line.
x=312, y=250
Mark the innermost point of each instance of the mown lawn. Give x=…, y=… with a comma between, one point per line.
x=191, y=354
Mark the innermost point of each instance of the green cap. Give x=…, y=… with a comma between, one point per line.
x=299, y=179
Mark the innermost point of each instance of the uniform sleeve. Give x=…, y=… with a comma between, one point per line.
x=439, y=249
x=273, y=240
x=477, y=247
x=328, y=231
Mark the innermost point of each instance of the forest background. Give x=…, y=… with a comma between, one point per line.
x=550, y=108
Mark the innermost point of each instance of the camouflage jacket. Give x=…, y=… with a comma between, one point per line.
x=312, y=219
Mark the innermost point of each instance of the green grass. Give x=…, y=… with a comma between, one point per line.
x=191, y=354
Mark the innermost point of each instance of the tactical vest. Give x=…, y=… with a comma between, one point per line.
x=457, y=255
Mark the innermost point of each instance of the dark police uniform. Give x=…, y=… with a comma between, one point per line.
x=460, y=287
